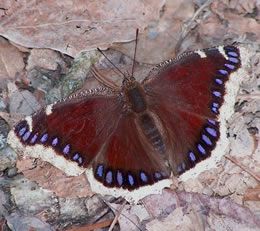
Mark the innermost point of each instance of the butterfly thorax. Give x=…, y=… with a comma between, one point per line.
x=135, y=96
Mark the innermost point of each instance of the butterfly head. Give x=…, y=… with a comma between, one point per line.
x=128, y=81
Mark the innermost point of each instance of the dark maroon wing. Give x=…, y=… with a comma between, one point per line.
x=187, y=95
x=76, y=128
x=128, y=160
x=94, y=131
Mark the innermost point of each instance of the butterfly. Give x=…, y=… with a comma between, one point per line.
x=133, y=139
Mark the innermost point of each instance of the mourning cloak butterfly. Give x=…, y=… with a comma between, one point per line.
x=130, y=141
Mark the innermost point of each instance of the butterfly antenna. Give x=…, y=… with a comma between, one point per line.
x=111, y=63
x=136, y=38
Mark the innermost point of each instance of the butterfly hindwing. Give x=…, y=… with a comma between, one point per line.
x=128, y=161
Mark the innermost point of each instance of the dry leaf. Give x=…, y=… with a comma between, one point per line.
x=74, y=26
x=130, y=217
x=19, y=222
x=252, y=194
x=177, y=220
x=11, y=60
x=159, y=40
x=240, y=6
x=53, y=179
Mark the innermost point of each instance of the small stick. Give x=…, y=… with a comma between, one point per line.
x=136, y=37
x=117, y=216
x=233, y=160
x=92, y=227
x=249, y=96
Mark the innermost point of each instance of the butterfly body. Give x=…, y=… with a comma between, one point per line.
x=136, y=138
x=137, y=103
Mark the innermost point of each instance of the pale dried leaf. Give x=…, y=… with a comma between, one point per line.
x=252, y=194
x=131, y=216
x=177, y=220
x=53, y=179
x=222, y=223
x=71, y=27
x=44, y=58
x=16, y=221
x=241, y=6
x=31, y=199
x=159, y=40
x=23, y=103
x=11, y=60
x=238, y=27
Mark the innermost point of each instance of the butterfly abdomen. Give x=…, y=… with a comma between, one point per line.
x=152, y=133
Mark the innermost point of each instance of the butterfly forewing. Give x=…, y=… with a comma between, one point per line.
x=76, y=128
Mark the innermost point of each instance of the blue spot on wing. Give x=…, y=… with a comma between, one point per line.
x=100, y=171
x=109, y=177
x=143, y=177
x=44, y=138
x=119, y=178
x=131, y=179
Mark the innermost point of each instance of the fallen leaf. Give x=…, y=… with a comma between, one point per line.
x=11, y=60
x=252, y=194
x=53, y=179
x=158, y=41
x=74, y=26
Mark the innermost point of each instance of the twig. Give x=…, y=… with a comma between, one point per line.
x=91, y=227
x=249, y=96
x=115, y=209
x=236, y=162
x=119, y=211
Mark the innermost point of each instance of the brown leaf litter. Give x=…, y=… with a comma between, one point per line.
x=218, y=199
